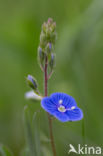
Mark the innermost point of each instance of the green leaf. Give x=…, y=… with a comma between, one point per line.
x=32, y=133
x=36, y=131
x=4, y=151
x=28, y=130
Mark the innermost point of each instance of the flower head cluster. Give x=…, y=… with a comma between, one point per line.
x=62, y=106
x=47, y=42
x=48, y=35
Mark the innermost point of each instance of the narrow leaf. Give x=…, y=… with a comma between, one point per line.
x=35, y=123
x=4, y=151
x=29, y=134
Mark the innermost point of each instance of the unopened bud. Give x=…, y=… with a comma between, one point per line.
x=31, y=95
x=44, y=27
x=48, y=48
x=47, y=43
x=41, y=56
x=42, y=39
x=53, y=37
x=53, y=27
x=50, y=21
x=32, y=82
x=52, y=61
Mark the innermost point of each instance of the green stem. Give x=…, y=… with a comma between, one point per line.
x=49, y=118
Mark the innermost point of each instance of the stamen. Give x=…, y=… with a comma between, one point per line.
x=60, y=102
x=73, y=107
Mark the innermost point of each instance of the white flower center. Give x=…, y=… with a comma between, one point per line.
x=61, y=109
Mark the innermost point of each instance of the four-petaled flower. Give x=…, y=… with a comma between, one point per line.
x=62, y=106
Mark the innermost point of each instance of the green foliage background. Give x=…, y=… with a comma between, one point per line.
x=78, y=72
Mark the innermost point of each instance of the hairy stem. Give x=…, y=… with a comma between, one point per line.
x=49, y=118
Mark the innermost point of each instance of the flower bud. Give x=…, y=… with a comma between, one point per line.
x=32, y=82
x=50, y=21
x=48, y=48
x=31, y=95
x=48, y=33
x=52, y=61
x=41, y=55
x=47, y=43
x=44, y=27
x=42, y=39
x=53, y=27
x=53, y=37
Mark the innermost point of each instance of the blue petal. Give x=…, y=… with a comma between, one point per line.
x=48, y=105
x=75, y=114
x=68, y=101
x=63, y=117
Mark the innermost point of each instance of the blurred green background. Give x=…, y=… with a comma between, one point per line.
x=78, y=72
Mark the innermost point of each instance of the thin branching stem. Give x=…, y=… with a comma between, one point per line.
x=49, y=118
x=50, y=75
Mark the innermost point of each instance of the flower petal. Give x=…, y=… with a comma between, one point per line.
x=63, y=117
x=48, y=105
x=68, y=101
x=75, y=114
x=56, y=100
x=33, y=96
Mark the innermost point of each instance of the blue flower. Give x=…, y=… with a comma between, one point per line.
x=62, y=106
